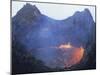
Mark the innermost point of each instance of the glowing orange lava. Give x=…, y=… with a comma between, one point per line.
x=75, y=54
x=69, y=55
x=78, y=54
x=76, y=57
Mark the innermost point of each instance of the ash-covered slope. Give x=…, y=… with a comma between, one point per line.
x=35, y=30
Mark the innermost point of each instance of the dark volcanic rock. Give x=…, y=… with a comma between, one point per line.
x=33, y=30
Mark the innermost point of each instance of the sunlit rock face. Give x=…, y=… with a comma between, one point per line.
x=58, y=43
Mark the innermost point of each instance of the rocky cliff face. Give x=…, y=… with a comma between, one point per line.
x=35, y=30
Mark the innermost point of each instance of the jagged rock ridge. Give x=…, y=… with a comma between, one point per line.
x=35, y=30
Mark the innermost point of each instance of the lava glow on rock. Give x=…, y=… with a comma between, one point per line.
x=66, y=55
x=71, y=55
x=65, y=46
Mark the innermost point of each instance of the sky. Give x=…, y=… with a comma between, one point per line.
x=55, y=11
